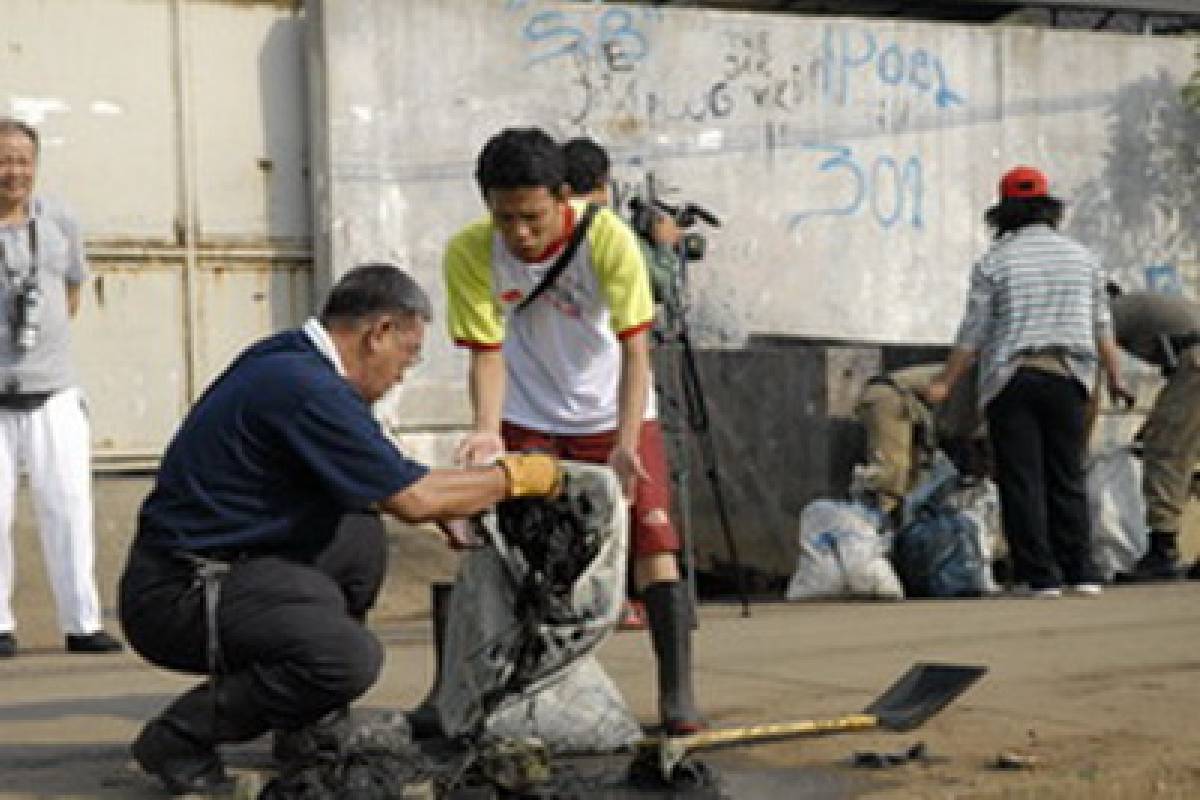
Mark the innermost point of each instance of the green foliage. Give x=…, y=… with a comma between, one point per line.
x=1191, y=91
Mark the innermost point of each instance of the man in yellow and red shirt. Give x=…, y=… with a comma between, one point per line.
x=569, y=372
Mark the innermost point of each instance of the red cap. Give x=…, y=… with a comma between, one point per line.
x=1024, y=182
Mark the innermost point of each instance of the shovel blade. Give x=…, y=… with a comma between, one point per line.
x=921, y=693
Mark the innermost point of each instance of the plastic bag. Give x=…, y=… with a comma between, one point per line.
x=1118, y=510
x=842, y=554
x=938, y=554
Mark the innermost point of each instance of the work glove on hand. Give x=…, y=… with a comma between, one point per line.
x=532, y=474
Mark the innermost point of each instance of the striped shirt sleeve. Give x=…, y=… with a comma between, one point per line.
x=973, y=330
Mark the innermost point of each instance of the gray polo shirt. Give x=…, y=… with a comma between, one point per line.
x=47, y=366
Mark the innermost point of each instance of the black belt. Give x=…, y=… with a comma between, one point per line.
x=1055, y=350
x=23, y=401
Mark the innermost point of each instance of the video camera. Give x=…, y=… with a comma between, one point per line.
x=644, y=211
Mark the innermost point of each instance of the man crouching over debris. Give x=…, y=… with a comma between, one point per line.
x=259, y=550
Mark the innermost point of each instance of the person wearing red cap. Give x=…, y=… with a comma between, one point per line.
x=1037, y=320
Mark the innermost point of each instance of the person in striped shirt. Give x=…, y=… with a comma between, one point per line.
x=1037, y=320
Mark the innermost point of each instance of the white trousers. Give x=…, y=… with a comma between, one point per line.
x=52, y=445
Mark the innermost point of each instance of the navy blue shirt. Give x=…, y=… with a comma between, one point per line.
x=270, y=458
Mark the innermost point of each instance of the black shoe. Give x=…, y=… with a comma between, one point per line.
x=425, y=722
x=1194, y=572
x=98, y=642
x=1155, y=566
x=183, y=764
x=8, y=645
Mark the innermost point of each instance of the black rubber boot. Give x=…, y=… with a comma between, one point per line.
x=424, y=720
x=179, y=747
x=668, y=612
x=1161, y=562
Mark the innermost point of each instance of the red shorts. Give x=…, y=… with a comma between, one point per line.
x=650, y=528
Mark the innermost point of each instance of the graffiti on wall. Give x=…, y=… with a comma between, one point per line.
x=612, y=86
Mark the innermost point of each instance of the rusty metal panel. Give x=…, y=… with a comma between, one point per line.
x=99, y=87
x=248, y=97
x=128, y=341
x=241, y=299
x=177, y=130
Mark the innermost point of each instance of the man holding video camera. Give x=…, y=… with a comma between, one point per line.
x=43, y=424
x=589, y=173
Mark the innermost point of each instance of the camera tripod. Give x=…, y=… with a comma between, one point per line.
x=690, y=413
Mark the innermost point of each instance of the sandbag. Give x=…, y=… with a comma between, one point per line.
x=842, y=554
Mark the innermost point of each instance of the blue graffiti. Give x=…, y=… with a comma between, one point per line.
x=894, y=191
x=615, y=37
x=844, y=56
x=1163, y=278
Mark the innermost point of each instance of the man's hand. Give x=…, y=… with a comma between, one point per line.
x=459, y=535
x=478, y=448
x=936, y=392
x=1120, y=394
x=628, y=466
x=664, y=231
x=532, y=474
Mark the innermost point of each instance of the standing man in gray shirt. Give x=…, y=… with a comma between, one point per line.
x=44, y=429
x=1164, y=330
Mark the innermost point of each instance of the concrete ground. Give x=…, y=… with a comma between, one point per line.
x=1097, y=692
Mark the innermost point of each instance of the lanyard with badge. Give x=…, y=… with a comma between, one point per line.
x=24, y=311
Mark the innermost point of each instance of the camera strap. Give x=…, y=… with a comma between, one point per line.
x=10, y=269
x=33, y=248
x=564, y=258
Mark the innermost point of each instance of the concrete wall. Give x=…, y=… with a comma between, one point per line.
x=177, y=130
x=850, y=162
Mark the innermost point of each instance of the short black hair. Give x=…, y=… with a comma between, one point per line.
x=14, y=125
x=521, y=158
x=1014, y=213
x=587, y=165
x=375, y=288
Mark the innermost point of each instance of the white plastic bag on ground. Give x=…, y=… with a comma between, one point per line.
x=1118, y=510
x=842, y=554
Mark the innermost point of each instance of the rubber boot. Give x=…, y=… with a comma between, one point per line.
x=1161, y=562
x=424, y=720
x=179, y=746
x=668, y=612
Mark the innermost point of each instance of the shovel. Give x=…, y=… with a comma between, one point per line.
x=918, y=695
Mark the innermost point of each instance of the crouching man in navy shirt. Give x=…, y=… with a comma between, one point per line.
x=259, y=550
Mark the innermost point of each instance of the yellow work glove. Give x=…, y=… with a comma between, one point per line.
x=532, y=474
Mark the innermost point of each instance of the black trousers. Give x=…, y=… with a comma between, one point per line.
x=293, y=645
x=1036, y=425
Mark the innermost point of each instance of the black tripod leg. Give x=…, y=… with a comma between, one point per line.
x=697, y=409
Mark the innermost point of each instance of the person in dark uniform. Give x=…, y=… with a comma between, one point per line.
x=259, y=550
x=1164, y=330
